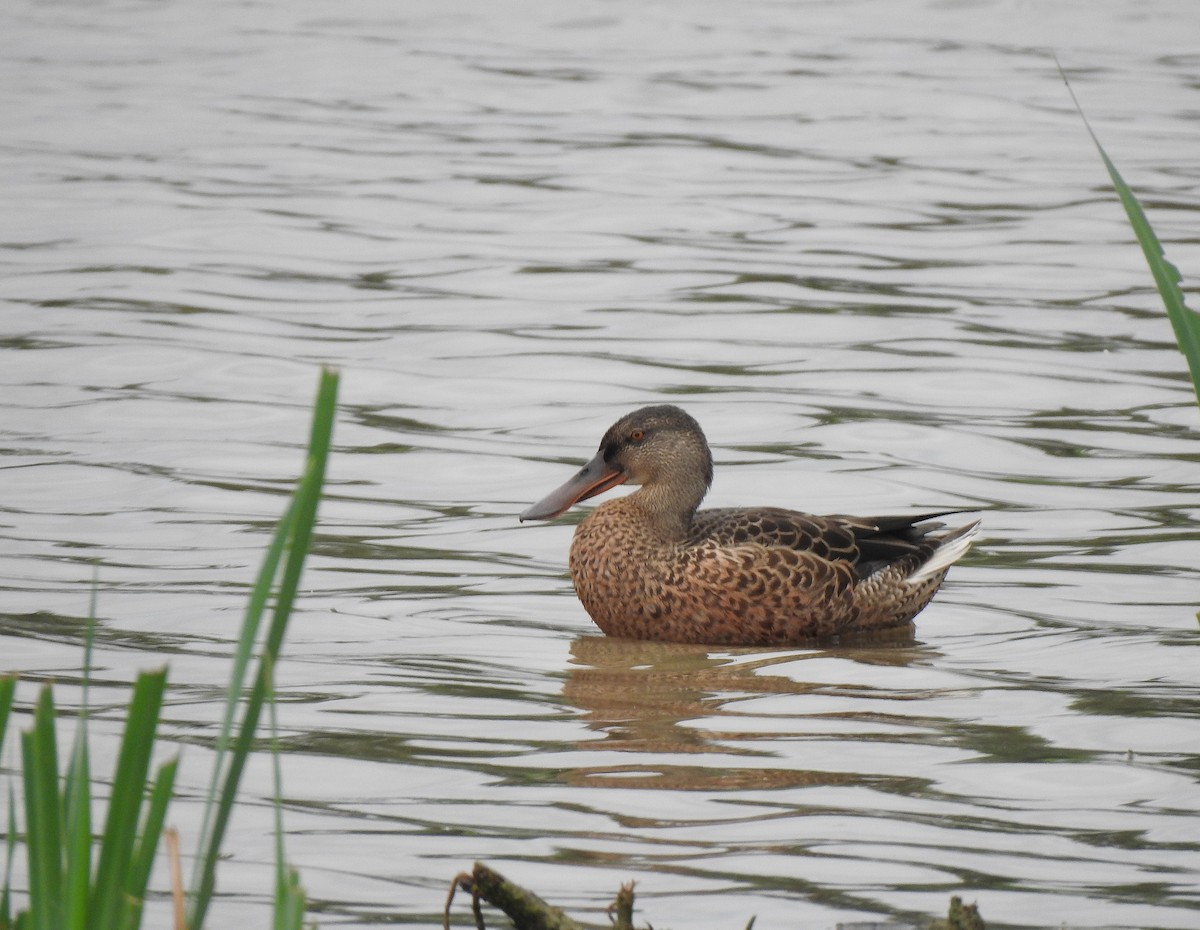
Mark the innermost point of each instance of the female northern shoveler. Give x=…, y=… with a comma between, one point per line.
x=652, y=566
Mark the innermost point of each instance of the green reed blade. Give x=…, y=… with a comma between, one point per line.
x=137, y=877
x=10, y=848
x=251, y=620
x=43, y=817
x=308, y=497
x=1184, y=321
x=125, y=802
x=277, y=785
x=290, y=903
x=8, y=688
x=289, y=895
x=292, y=536
x=77, y=795
x=78, y=837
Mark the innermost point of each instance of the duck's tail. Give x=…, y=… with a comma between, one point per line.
x=951, y=547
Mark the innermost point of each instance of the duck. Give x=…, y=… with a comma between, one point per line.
x=652, y=565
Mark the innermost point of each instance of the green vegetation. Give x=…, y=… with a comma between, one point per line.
x=1184, y=321
x=76, y=880
x=79, y=881
x=285, y=561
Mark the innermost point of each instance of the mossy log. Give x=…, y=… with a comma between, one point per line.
x=961, y=917
x=529, y=912
x=524, y=908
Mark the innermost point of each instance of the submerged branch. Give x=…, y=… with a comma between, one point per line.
x=961, y=917
x=524, y=908
x=529, y=912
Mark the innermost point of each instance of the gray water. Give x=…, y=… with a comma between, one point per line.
x=866, y=243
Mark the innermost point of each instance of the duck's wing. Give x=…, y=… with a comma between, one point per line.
x=895, y=539
x=866, y=543
x=829, y=538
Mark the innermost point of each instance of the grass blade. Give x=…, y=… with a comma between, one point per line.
x=10, y=846
x=290, y=904
x=78, y=820
x=251, y=621
x=78, y=798
x=43, y=817
x=137, y=877
x=289, y=894
x=8, y=688
x=293, y=537
x=1184, y=321
x=128, y=791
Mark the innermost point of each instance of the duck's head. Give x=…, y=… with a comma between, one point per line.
x=660, y=448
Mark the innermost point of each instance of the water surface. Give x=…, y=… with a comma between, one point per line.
x=867, y=244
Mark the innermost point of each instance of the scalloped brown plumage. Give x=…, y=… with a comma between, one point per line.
x=652, y=566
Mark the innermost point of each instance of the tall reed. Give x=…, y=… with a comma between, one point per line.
x=80, y=881
x=278, y=581
x=1184, y=321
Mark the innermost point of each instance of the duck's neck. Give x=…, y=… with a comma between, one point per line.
x=668, y=510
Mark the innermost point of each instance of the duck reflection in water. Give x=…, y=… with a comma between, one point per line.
x=644, y=699
x=652, y=566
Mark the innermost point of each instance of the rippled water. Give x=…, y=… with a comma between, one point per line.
x=868, y=244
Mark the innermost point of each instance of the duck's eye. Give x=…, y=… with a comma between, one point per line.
x=637, y=435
